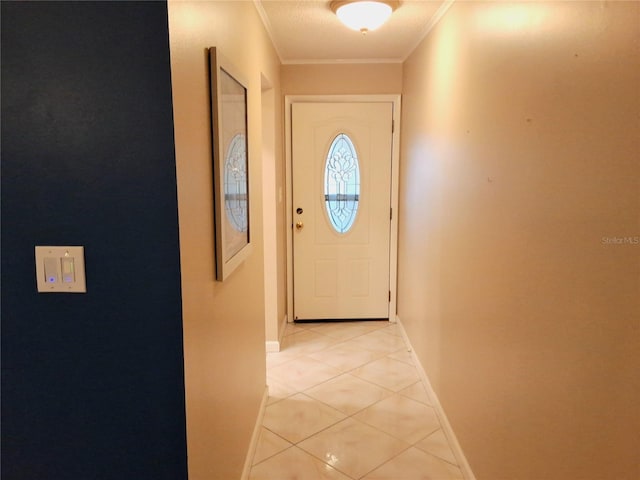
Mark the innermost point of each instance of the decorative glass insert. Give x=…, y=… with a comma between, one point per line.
x=235, y=183
x=342, y=183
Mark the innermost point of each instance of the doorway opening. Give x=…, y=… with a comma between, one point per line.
x=359, y=282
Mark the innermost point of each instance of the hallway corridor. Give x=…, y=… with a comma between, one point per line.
x=346, y=402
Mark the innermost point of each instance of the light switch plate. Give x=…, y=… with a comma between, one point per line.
x=60, y=269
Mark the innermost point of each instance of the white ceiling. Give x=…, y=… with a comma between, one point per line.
x=307, y=31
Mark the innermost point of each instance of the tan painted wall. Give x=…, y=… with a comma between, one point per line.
x=341, y=79
x=223, y=322
x=520, y=154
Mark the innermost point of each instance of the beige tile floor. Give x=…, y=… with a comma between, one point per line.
x=346, y=402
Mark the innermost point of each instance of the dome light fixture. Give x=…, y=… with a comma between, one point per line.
x=363, y=15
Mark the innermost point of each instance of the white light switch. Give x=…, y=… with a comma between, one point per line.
x=60, y=269
x=50, y=270
x=68, y=275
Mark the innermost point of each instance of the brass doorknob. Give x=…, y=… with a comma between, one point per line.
x=299, y=225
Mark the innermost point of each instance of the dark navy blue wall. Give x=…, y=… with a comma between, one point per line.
x=92, y=384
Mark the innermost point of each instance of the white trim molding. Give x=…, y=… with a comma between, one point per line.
x=267, y=26
x=444, y=421
x=272, y=346
x=444, y=8
x=255, y=436
x=341, y=61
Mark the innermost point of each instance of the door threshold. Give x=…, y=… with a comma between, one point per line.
x=338, y=320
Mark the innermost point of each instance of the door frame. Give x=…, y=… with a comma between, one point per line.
x=395, y=100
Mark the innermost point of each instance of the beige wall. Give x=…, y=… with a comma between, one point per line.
x=341, y=79
x=223, y=322
x=520, y=153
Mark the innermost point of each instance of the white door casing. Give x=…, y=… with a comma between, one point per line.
x=341, y=275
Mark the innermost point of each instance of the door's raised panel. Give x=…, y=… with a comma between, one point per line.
x=359, y=277
x=326, y=278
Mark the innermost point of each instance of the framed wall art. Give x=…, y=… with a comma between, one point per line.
x=230, y=165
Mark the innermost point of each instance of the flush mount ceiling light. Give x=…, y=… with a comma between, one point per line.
x=363, y=15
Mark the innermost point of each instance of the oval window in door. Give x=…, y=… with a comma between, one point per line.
x=235, y=183
x=342, y=183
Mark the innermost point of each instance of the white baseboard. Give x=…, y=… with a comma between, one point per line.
x=272, y=346
x=444, y=422
x=255, y=436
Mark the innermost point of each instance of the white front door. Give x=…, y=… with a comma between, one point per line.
x=341, y=171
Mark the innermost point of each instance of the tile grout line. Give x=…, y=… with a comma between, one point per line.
x=350, y=372
x=348, y=416
x=274, y=454
x=411, y=361
x=408, y=445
